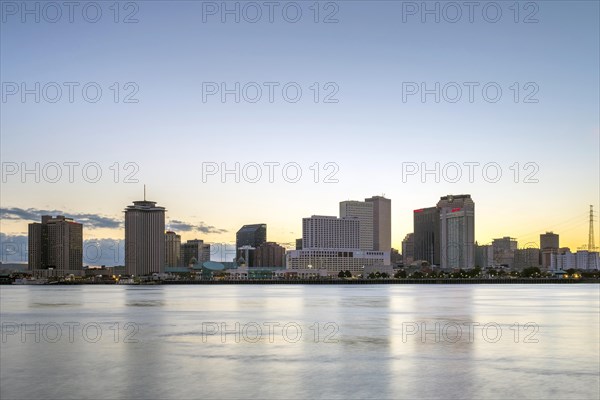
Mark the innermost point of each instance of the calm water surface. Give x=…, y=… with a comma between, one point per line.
x=300, y=342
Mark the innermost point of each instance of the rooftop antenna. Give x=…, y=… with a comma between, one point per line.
x=144, y=192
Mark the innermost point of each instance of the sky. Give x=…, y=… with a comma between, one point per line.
x=316, y=102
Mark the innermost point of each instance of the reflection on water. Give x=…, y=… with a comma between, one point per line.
x=146, y=303
x=446, y=342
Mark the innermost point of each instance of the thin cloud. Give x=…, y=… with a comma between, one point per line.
x=182, y=226
x=92, y=221
x=202, y=227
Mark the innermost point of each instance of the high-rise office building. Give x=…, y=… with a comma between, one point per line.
x=325, y=232
x=457, y=231
x=172, y=249
x=298, y=244
x=144, y=238
x=56, y=244
x=549, y=245
x=269, y=254
x=249, y=237
x=363, y=211
x=426, y=229
x=382, y=223
x=195, y=252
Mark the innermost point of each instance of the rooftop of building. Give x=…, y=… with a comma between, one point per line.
x=252, y=227
x=144, y=205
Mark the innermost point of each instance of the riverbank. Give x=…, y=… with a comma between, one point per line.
x=474, y=281
x=383, y=281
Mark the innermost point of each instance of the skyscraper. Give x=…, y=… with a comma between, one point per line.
x=457, y=231
x=144, y=238
x=56, y=243
x=426, y=228
x=172, y=249
x=549, y=245
x=251, y=236
x=363, y=211
x=382, y=223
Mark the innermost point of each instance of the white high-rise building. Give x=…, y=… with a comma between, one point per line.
x=333, y=244
x=457, y=231
x=325, y=232
x=144, y=238
x=363, y=211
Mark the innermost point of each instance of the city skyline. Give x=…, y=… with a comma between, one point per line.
x=232, y=199
x=224, y=250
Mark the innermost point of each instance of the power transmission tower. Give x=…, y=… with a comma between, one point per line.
x=591, y=241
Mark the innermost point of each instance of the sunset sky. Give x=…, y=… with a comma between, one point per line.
x=367, y=60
